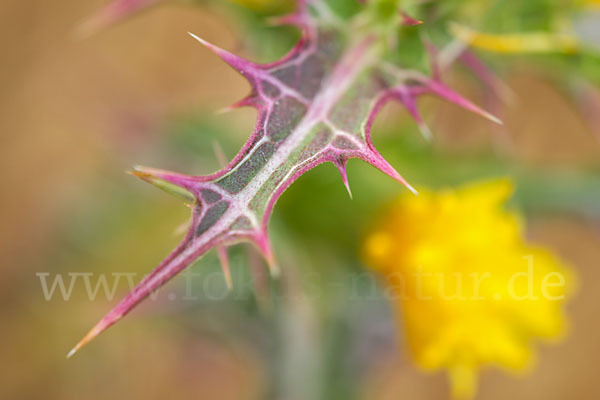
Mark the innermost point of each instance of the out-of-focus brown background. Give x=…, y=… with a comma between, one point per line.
x=74, y=114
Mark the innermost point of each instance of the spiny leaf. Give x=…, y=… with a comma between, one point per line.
x=317, y=104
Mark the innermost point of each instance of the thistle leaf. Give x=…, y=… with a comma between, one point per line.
x=317, y=104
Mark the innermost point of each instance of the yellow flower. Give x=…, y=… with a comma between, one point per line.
x=469, y=290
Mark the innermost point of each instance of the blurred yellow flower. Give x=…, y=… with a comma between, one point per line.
x=591, y=3
x=469, y=290
x=528, y=42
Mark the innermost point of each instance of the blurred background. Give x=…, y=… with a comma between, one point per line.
x=76, y=113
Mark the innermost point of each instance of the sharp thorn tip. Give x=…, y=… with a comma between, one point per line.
x=274, y=269
x=426, y=132
x=412, y=189
x=71, y=353
x=347, y=185
x=224, y=259
x=195, y=37
x=91, y=335
x=496, y=120
x=223, y=110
